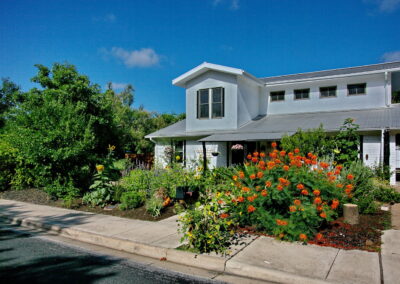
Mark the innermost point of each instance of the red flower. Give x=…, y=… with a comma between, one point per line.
x=279, y=187
x=303, y=237
x=241, y=175
x=285, y=168
x=262, y=154
x=316, y=192
x=335, y=204
x=273, y=144
x=264, y=193
x=319, y=236
x=245, y=189
x=350, y=177
x=249, y=157
x=282, y=153
x=304, y=192
x=300, y=186
x=224, y=215
x=252, y=176
x=323, y=215
x=317, y=200
x=260, y=174
x=254, y=159
x=297, y=150
x=251, y=208
x=240, y=199
x=255, y=154
x=268, y=184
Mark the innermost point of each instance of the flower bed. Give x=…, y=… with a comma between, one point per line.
x=286, y=195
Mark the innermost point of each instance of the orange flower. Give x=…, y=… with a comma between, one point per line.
x=300, y=186
x=281, y=235
x=268, y=184
x=323, y=215
x=324, y=165
x=220, y=201
x=245, y=189
x=317, y=200
x=319, y=208
x=339, y=185
x=235, y=178
x=332, y=178
x=251, y=208
x=304, y=192
x=252, y=176
x=262, y=154
x=297, y=202
x=260, y=174
x=224, y=215
x=347, y=190
x=270, y=165
x=335, y=204
x=329, y=174
x=272, y=155
x=292, y=208
x=255, y=154
x=303, y=237
x=282, y=153
x=285, y=168
x=279, y=187
x=281, y=222
x=350, y=177
x=316, y=192
x=319, y=236
x=261, y=164
x=308, y=161
x=273, y=144
x=309, y=155
x=241, y=175
x=227, y=193
x=264, y=193
x=349, y=186
x=254, y=159
x=258, y=188
x=249, y=157
x=240, y=199
x=337, y=172
x=297, y=150
x=339, y=167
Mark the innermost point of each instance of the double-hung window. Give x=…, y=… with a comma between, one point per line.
x=277, y=96
x=356, y=89
x=327, y=92
x=210, y=103
x=301, y=94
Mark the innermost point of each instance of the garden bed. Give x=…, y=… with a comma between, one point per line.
x=38, y=196
x=364, y=236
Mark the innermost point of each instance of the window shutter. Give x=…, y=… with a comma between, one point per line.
x=223, y=102
x=198, y=105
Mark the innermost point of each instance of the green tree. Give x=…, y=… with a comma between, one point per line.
x=61, y=129
x=10, y=95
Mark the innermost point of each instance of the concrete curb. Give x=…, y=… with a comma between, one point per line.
x=201, y=261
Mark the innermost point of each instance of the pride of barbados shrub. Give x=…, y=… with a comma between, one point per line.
x=287, y=195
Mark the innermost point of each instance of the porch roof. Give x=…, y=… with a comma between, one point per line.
x=272, y=127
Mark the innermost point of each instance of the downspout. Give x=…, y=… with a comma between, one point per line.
x=204, y=157
x=382, y=146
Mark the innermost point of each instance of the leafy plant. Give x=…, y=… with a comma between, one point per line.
x=347, y=142
x=132, y=199
x=102, y=189
x=154, y=206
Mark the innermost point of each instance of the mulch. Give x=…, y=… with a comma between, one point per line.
x=37, y=196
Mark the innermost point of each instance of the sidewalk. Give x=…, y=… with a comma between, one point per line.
x=258, y=258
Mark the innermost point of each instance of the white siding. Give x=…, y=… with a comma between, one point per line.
x=159, y=154
x=371, y=150
x=194, y=154
x=374, y=97
x=248, y=101
x=393, y=157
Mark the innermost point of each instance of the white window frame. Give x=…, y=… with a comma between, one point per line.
x=210, y=103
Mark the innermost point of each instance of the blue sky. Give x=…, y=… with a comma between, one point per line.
x=149, y=43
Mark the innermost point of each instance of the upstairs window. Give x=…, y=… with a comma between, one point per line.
x=210, y=102
x=277, y=96
x=356, y=89
x=301, y=94
x=328, y=92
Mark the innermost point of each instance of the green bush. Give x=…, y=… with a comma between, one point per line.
x=101, y=190
x=132, y=199
x=8, y=163
x=60, y=190
x=154, y=205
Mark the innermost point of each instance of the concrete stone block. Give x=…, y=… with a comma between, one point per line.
x=350, y=213
x=197, y=260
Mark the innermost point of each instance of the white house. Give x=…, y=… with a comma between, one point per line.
x=226, y=106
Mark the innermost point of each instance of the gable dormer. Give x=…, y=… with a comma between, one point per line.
x=220, y=97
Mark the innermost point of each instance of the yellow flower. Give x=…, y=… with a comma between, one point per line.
x=178, y=158
x=111, y=147
x=99, y=168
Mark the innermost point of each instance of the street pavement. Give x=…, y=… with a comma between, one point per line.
x=260, y=258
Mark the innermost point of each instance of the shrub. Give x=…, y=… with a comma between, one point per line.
x=8, y=162
x=61, y=190
x=347, y=142
x=132, y=199
x=288, y=195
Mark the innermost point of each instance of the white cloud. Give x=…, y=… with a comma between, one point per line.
x=233, y=4
x=108, y=18
x=385, y=5
x=118, y=86
x=391, y=56
x=145, y=57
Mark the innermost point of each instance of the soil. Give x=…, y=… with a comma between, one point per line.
x=37, y=196
x=364, y=236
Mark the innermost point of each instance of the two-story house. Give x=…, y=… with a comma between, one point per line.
x=228, y=107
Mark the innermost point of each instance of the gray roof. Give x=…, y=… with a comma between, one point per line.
x=332, y=72
x=272, y=127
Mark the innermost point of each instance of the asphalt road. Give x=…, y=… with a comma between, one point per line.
x=26, y=258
